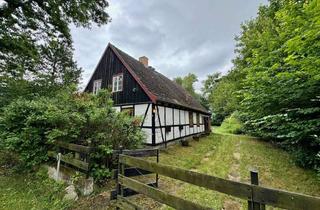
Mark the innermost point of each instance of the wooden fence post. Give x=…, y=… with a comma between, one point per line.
x=157, y=175
x=120, y=171
x=255, y=180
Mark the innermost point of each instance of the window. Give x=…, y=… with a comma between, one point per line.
x=96, y=86
x=198, y=119
x=128, y=110
x=190, y=119
x=117, y=83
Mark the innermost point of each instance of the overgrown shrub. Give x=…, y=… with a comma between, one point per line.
x=27, y=126
x=297, y=130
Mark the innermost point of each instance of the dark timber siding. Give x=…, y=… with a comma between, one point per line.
x=110, y=65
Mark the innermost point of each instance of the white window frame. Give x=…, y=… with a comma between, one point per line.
x=96, y=86
x=117, y=83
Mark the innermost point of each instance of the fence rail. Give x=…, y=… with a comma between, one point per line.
x=137, y=152
x=251, y=192
x=74, y=147
x=161, y=196
x=81, y=155
x=71, y=161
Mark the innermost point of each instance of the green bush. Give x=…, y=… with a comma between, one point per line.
x=296, y=130
x=27, y=126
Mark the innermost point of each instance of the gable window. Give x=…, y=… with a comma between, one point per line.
x=198, y=119
x=96, y=86
x=117, y=83
x=190, y=119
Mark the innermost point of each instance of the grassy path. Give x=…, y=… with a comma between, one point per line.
x=232, y=157
x=213, y=158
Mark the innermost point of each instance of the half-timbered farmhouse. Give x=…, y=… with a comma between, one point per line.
x=168, y=111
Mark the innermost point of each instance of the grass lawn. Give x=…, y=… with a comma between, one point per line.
x=23, y=191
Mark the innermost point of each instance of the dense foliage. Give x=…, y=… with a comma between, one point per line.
x=36, y=51
x=275, y=83
x=221, y=92
x=187, y=82
x=27, y=126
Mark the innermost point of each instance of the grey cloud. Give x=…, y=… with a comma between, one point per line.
x=178, y=36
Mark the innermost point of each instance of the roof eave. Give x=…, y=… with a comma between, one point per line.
x=184, y=106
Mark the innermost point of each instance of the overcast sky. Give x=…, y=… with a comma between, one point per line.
x=178, y=37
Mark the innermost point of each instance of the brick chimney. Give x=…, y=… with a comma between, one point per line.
x=144, y=61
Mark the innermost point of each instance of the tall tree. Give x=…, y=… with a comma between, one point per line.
x=275, y=82
x=35, y=40
x=220, y=92
x=210, y=83
x=279, y=52
x=187, y=82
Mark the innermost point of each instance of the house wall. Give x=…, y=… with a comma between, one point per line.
x=169, y=123
x=174, y=124
x=145, y=112
x=108, y=66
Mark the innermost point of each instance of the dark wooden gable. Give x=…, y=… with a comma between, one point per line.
x=108, y=66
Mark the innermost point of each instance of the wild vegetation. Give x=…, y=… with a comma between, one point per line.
x=29, y=126
x=29, y=190
x=275, y=82
x=38, y=101
x=230, y=125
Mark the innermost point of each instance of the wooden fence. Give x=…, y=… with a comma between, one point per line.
x=257, y=196
x=78, y=156
x=134, y=171
x=75, y=155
